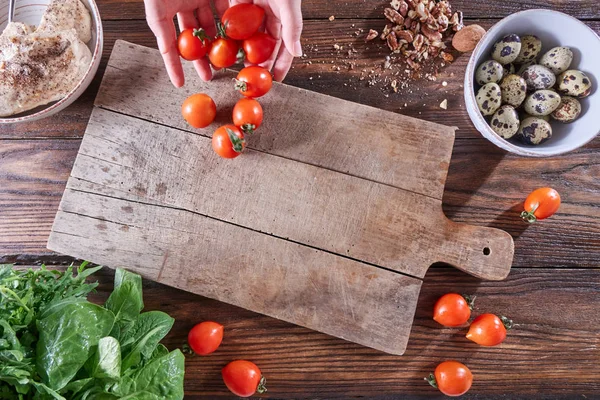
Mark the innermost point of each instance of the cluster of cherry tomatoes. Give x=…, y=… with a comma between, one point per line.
x=238, y=39
x=242, y=377
x=452, y=310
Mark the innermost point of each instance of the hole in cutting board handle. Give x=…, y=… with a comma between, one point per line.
x=486, y=251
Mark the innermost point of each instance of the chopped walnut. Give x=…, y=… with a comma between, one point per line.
x=405, y=35
x=447, y=57
x=386, y=31
x=403, y=8
x=371, y=35
x=392, y=41
x=394, y=16
x=395, y=4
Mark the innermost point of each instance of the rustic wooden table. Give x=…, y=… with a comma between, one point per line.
x=552, y=293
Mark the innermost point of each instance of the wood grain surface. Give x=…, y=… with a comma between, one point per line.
x=552, y=291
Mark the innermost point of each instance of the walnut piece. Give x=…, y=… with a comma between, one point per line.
x=371, y=35
x=394, y=16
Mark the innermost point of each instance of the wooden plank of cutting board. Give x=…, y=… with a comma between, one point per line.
x=301, y=125
x=285, y=280
x=129, y=158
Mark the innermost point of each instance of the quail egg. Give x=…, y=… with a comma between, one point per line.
x=534, y=131
x=568, y=110
x=557, y=60
x=542, y=102
x=514, y=90
x=524, y=66
x=505, y=122
x=574, y=83
x=538, y=77
x=507, y=49
x=489, y=71
x=489, y=98
x=530, y=48
x=509, y=69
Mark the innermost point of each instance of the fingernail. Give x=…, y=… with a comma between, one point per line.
x=297, y=49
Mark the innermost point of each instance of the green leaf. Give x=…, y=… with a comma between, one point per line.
x=142, y=396
x=46, y=392
x=107, y=359
x=159, y=351
x=162, y=377
x=68, y=333
x=141, y=340
x=76, y=386
x=126, y=301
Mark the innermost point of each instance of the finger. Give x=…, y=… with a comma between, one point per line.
x=203, y=69
x=234, y=2
x=166, y=38
x=186, y=20
x=283, y=64
x=273, y=28
x=221, y=6
x=206, y=18
x=290, y=14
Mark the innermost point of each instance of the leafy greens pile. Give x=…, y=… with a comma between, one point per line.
x=54, y=344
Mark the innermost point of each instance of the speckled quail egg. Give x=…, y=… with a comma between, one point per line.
x=489, y=98
x=509, y=69
x=538, y=77
x=489, y=71
x=505, y=122
x=530, y=48
x=523, y=115
x=574, y=83
x=542, y=102
x=514, y=90
x=557, y=60
x=568, y=110
x=524, y=66
x=534, y=131
x=507, y=49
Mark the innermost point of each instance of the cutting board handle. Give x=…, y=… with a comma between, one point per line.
x=486, y=253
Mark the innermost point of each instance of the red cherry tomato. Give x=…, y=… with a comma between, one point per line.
x=254, y=81
x=223, y=53
x=451, y=378
x=228, y=141
x=489, y=329
x=199, y=110
x=193, y=44
x=541, y=204
x=247, y=115
x=243, y=378
x=259, y=47
x=452, y=309
x=206, y=337
x=242, y=20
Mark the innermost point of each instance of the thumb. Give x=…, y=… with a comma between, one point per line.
x=291, y=26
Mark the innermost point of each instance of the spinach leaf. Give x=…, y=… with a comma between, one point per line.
x=162, y=377
x=67, y=334
x=106, y=362
x=76, y=386
x=141, y=340
x=46, y=392
x=125, y=301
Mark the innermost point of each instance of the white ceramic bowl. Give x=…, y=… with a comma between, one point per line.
x=554, y=29
x=30, y=12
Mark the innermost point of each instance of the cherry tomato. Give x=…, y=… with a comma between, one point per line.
x=489, y=330
x=193, y=44
x=259, y=47
x=242, y=20
x=199, y=110
x=541, y=204
x=206, y=337
x=228, y=141
x=452, y=309
x=451, y=378
x=243, y=378
x=247, y=115
x=254, y=81
x=223, y=53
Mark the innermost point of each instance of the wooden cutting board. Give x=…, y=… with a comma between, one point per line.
x=329, y=220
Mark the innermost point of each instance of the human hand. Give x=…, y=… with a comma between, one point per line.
x=283, y=21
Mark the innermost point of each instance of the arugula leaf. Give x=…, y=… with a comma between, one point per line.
x=68, y=331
